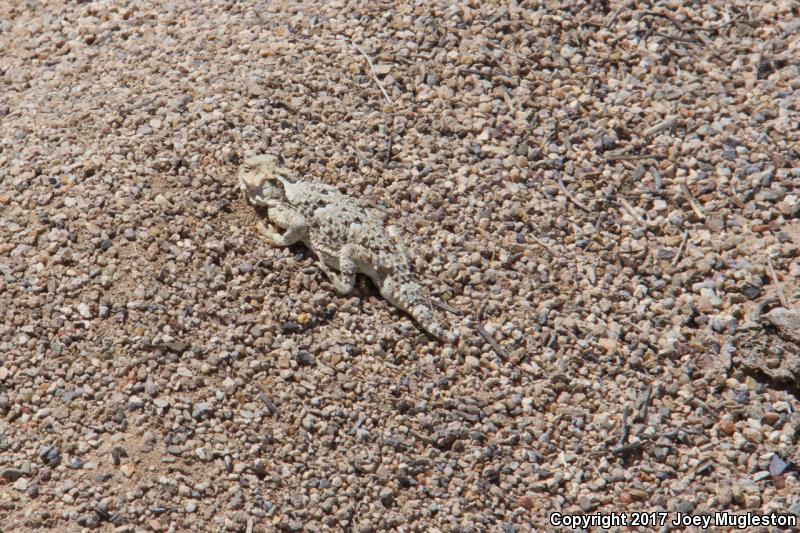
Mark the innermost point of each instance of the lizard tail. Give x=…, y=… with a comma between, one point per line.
x=406, y=294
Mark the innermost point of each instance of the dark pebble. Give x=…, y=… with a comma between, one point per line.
x=88, y=521
x=777, y=466
x=51, y=456
x=751, y=292
x=291, y=327
x=305, y=358
x=684, y=507
x=11, y=474
x=200, y=410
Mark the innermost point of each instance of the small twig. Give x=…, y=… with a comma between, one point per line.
x=641, y=412
x=493, y=44
x=614, y=16
x=570, y=197
x=759, y=310
x=361, y=419
x=389, y=147
x=509, y=103
x=501, y=353
x=696, y=401
x=691, y=431
x=633, y=157
x=623, y=432
x=446, y=307
x=600, y=219
x=666, y=16
x=519, y=246
x=666, y=124
x=627, y=449
x=500, y=14
x=681, y=248
x=629, y=208
x=590, y=174
x=692, y=202
x=473, y=71
x=271, y=407
x=692, y=29
x=667, y=36
x=374, y=74
x=778, y=288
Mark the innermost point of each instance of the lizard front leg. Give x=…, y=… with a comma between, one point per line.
x=291, y=221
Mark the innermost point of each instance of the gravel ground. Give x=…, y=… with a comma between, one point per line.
x=610, y=192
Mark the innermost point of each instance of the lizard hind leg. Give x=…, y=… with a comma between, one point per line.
x=345, y=280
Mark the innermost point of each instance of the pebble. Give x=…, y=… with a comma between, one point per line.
x=11, y=474
x=84, y=310
x=586, y=504
x=51, y=456
x=200, y=410
x=472, y=362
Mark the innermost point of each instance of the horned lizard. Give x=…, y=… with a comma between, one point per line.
x=346, y=237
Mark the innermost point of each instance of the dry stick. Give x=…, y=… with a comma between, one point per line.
x=778, y=287
x=675, y=38
x=681, y=248
x=705, y=40
x=667, y=123
x=696, y=401
x=666, y=16
x=627, y=449
x=614, y=16
x=509, y=103
x=641, y=413
x=389, y=147
x=501, y=353
x=271, y=407
x=692, y=202
x=633, y=157
x=538, y=241
x=569, y=196
x=502, y=13
x=623, y=432
x=445, y=307
x=374, y=74
x=629, y=208
x=516, y=247
x=492, y=44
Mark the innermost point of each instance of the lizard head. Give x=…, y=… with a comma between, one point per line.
x=262, y=179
